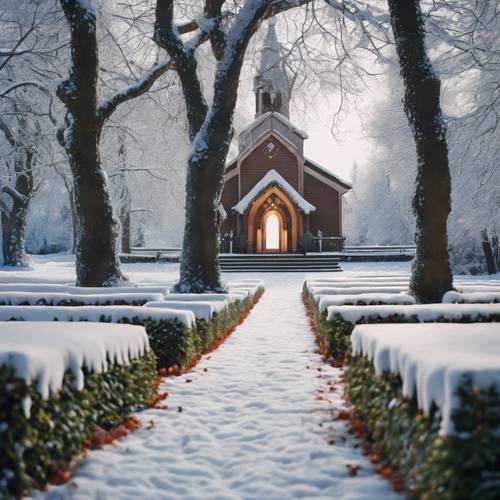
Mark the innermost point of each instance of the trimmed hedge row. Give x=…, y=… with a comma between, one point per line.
x=465, y=465
x=69, y=302
x=335, y=334
x=35, y=449
x=175, y=344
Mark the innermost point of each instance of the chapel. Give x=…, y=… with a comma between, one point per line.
x=273, y=195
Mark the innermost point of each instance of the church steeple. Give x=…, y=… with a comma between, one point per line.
x=271, y=86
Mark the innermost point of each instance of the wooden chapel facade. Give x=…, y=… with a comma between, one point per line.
x=272, y=193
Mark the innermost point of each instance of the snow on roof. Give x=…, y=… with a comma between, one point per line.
x=43, y=352
x=344, y=182
x=325, y=301
x=271, y=71
x=432, y=359
x=423, y=312
x=283, y=119
x=272, y=177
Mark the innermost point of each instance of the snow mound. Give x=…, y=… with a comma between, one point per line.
x=201, y=310
x=423, y=312
x=432, y=359
x=78, y=290
x=42, y=352
x=325, y=301
x=33, y=298
x=471, y=297
x=203, y=297
x=112, y=314
x=357, y=290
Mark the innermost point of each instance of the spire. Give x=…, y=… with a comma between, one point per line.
x=271, y=87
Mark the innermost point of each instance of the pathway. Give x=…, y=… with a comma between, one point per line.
x=245, y=423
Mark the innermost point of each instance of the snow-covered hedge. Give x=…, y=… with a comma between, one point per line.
x=69, y=299
x=364, y=299
x=58, y=383
x=429, y=397
x=335, y=324
x=472, y=297
x=176, y=336
x=43, y=288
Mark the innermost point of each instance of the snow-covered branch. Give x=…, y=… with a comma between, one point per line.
x=108, y=106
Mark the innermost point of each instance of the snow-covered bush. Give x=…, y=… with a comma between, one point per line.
x=440, y=438
x=335, y=324
x=72, y=387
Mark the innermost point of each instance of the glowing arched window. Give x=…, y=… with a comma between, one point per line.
x=272, y=233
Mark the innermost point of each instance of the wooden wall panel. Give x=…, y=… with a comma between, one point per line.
x=327, y=203
x=257, y=164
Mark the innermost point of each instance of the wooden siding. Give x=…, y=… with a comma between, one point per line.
x=257, y=164
x=327, y=203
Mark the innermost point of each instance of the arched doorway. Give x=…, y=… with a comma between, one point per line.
x=273, y=236
x=271, y=209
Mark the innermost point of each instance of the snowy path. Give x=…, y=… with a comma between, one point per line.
x=251, y=425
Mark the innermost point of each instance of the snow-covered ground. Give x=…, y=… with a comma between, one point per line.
x=256, y=419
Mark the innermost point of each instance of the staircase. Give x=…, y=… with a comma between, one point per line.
x=288, y=263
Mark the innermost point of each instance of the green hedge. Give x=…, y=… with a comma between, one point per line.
x=34, y=449
x=78, y=303
x=336, y=332
x=174, y=343
x=461, y=466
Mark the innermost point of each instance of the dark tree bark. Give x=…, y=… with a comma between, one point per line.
x=488, y=253
x=13, y=217
x=431, y=271
x=210, y=131
x=97, y=261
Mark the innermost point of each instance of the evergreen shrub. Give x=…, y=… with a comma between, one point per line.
x=40, y=446
x=463, y=465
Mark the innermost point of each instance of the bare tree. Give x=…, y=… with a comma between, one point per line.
x=97, y=261
x=19, y=188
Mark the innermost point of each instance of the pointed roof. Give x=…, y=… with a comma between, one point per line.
x=271, y=70
x=273, y=178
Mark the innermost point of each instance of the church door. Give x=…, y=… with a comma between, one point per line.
x=272, y=235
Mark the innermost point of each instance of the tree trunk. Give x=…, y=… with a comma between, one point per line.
x=488, y=253
x=14, y=220
x=97, y=261
x=431, y=271
x=200, y=267
x=74, y=218
x=125, y=224
x=14, y=234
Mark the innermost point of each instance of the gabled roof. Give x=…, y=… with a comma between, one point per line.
x=327, y=173
x=273, y=178
x=283, y=119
